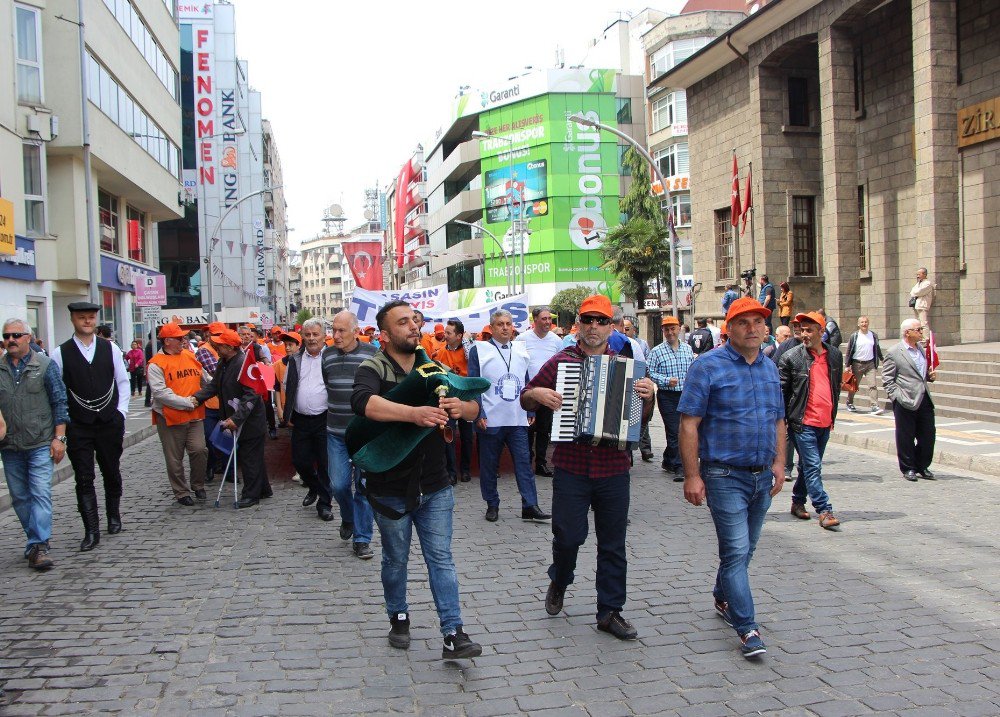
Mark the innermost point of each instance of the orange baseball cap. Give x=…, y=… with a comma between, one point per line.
x=487, y=331
x=746, y=305
x=814, y=316
x=227, y=338
x=171, y=331
x=291, y=335
x=216, y=327
x=722, y=329
x=275, y=329
x=438, y=328
x=670, y=321
x=369, y=328
x=596, y=304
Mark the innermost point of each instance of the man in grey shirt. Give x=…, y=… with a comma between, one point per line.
x=340, y=363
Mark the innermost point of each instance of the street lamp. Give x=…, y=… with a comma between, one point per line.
x=506, y=264
x=664, y=203
x=516, y=225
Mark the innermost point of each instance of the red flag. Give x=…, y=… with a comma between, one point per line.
x=250, y=374
x=932, y=355
x=734, y=213
x=748, y=202
x=365, y=260
x=134, y=235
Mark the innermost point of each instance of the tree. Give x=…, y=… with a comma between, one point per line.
x=303, y=316
x=638, y=203
x=566, y=303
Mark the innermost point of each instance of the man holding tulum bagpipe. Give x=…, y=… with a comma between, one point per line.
x=403, y=402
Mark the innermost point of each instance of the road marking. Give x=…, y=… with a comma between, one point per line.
x=985, y=430
x=960, y=442
x=875, y=430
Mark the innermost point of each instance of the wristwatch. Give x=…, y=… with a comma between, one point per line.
x=61, y=439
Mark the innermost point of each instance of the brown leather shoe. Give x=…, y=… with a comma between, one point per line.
x=799, y=511
x=39, y=558
x=828, y=521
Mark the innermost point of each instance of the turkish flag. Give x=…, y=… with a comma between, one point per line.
x=250, y=373
x=365, y=260
x=734, y=214
x=748, y=201
x=932, y=355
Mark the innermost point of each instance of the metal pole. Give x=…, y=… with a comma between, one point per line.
x=506, y=264
x=664, y=203
x=753, y=239
x=93, y=249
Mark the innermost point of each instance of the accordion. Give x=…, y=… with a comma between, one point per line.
x=600, y=405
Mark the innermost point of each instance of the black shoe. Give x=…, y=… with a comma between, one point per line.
x=272, y=432
x=186, y=500
x=267, y=492
x=466, y=476
x=618, y=626
x=310, y=498
x=200, y=494
x=247, y=502
x=399, y=633
x=90, y=541
x=554, y=599
x=492, y=513
x=209, y=477
x=533, y=512
x=647, y=457
x=459, y=645
x=346, y=531
x=363, y=551
x=114, y=524
x=926, y=474
x=543, y=470
x=910, y=476
x=325, y=514
x=453, y=479
x=678, y=478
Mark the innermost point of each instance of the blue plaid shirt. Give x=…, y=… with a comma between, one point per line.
x=665, y=363
x=739, y=405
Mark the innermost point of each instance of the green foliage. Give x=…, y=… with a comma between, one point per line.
x=303, y=316
x=636, y=252
x=638, y=203
x=566, y=303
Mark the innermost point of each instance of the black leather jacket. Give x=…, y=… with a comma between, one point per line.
x=793, y=370
x=852, y=344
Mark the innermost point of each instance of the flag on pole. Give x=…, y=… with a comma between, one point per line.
x=748, y=200
x=735, y=213
x=250, y=373
x=932, y=355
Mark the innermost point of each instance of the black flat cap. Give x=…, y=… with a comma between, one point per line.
x=83, y=306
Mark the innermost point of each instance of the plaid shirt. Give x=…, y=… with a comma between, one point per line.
x=207, y=360
x=577, y=458
x=739, y=404
x=665, y=363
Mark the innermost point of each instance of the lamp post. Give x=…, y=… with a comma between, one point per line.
x=516, y=225
x=506, y=263
x=664, y=203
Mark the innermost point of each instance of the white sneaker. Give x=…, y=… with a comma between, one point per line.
x=851, y=408
x=877, y=410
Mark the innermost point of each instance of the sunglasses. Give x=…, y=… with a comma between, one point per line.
x=601, y=320
x=13, y=336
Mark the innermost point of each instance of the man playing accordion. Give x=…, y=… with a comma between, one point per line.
x=588, y=477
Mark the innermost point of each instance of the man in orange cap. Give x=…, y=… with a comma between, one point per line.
x=588, y=478
x=810, y=381
x=276, y=346
x=175, y=375
x=733, y=449
x=668, y=366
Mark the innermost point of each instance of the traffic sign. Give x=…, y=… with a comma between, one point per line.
x=151, y=313
x=150, y=290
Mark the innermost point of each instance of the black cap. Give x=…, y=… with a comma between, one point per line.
x=83, y=306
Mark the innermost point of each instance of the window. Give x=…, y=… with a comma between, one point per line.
x=680, y=204
x=804, y=253
x=859, y=83
x=135, y=27
x=28, y=54
x=108, y=308
x=670, y=110
x=862, y=234
x=34, y=189
x=725, y=246
x=136, y=234
x=798, y=102
x=673, y=159
x=624, y=110
x=108, y=212
x=673, y=53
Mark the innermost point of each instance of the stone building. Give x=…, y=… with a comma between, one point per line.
x=872, y=128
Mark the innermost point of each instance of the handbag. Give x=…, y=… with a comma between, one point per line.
x=849, y=382
x=913, y=302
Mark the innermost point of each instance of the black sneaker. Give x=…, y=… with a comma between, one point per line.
x=459, y=645
x=492, y=513
x=363, y=551
x=618, y=626
x=346, y=531
x=752, y=645
x=399, y=633
x=554, y=599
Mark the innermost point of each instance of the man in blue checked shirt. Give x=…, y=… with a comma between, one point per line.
x=733, y=449
x=668, y=366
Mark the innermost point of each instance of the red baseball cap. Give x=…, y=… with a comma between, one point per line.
x=597, y=304
x=746, y=305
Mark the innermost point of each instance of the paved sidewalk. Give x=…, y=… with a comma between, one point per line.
x=264, y=611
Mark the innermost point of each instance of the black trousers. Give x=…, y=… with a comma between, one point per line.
x=539, y=434
x=915, y=435
x=135, y=380
x=451, y=452
x=84, y=442
x=667, y=402
x=250, y=458
x=309, y=456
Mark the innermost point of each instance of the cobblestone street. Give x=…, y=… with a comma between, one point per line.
x=265, y=612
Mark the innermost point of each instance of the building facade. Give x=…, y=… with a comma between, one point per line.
x=321, y=275
x=124, y=105
x=873, y=135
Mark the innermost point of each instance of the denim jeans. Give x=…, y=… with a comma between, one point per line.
x=738, y=500
x=811, y=444
x=573, y=496
x=344, y=481
x=29, y=480
x=432, y=519
x=490, y=447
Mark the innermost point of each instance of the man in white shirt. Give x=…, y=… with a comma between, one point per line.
x=542, y=345
x=97, y=388
x=863, y=357
x=921, y=298
x=716, y=333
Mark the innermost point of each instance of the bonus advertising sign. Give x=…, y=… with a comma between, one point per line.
x=558, y=176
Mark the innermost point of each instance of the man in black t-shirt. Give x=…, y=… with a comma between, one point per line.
x=701, y=339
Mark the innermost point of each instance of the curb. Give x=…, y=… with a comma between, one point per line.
x=66, y=471
x=974, y=463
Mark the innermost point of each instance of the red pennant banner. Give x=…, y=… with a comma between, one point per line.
x=365, y=259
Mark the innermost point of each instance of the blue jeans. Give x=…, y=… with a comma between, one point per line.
x=344, y=481
x=573, y=496
x=811, y=444
x=490, y=447
x=432, y=519
x=29, y=480
x=739, y=501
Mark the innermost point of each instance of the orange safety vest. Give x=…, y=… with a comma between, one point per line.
x=455, y=360
x=182, y=374
x=277, y=350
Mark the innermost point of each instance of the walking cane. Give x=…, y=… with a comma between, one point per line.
x=225, y=474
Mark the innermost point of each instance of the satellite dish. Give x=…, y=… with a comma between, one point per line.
x=369, y=214
x=335, y=210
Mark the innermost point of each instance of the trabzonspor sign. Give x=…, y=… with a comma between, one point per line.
x=365, y=305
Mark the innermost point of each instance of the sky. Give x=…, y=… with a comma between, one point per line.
x=351, y=88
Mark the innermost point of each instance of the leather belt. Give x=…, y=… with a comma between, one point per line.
x=750, y=469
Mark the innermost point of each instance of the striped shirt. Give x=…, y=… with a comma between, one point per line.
x=666, y=363
x=338, y=373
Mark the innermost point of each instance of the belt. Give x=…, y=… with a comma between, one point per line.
x=751, y=469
